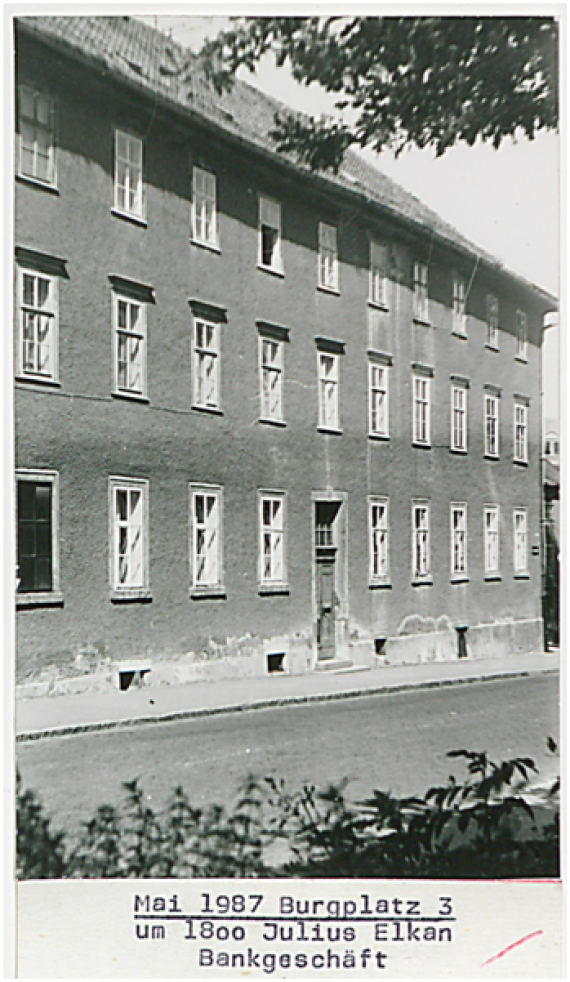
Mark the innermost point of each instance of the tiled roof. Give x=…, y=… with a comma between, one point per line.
x=147, y=57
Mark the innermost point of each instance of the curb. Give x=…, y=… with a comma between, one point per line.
x=179, y=715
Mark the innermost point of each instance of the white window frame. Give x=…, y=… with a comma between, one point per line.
x=459, y=418
x=458, y=539
x=37, y=125
x=459, y=305
x=329, y=390
x=32, y=315
x=206, y=549
x=492, y=322
x=204, y=208
x=328, y=278
x=271, y=375
x=421, y=292
x=270, y=217
x=421, y=409
x=51, y=477
x=135, y=340
x=204, y=355
x=378, y=275
x=522, y=336
x=520, y=541
x=492, y=540
x=378, y=539
x=421, y=545
x=492, y=446
x=378, y=398
x=137, y=585
x=134, y=176
x=520, y=431
x=272, y=540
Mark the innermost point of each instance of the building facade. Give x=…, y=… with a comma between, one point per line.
x=264, y=418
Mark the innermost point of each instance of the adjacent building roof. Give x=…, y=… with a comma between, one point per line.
x=152, y=61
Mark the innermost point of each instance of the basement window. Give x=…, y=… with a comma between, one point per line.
x=275, y=662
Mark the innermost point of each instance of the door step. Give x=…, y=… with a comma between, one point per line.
x=339, y=666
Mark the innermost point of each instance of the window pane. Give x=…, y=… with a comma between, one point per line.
x=43, y=502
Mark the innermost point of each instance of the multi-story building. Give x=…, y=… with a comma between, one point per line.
x=259, y=411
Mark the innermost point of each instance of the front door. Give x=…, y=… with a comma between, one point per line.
x=325, y=560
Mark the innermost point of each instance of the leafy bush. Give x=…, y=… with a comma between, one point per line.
x=484, y=826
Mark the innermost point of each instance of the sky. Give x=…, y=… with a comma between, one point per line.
x=505, y=200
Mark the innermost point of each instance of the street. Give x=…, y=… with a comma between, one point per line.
x=394, y=742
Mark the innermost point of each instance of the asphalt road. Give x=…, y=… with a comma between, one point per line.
x=394, y=742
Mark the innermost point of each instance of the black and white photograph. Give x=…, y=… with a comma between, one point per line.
x=286, y=501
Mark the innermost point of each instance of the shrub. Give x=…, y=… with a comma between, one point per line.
x=484, y=826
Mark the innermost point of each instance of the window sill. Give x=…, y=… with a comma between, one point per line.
x=520, y=463
x=421, y=446
x=44, y=383
x=492, y=347
x=36, y=183
x=522, y=576
x=492, y=577
x=208, y=593
x=209, y=246
x=376, y=305
x=462, y=335
x=272, y=270
x=126, y=216
x=131, y=397
x=130, y=596
x=383, y=437
x=459, y=578
x=329, y=429
x=491, y=456
x=523, y=361
x=273, y=589
x=383, y=584
x=208, y=410
x=51, y=599
x=421, y=321
x=272, y=422
x=458, y=450
x=334, y=290
x=423, y=581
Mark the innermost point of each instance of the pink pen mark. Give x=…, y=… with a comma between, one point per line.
x=535, y=934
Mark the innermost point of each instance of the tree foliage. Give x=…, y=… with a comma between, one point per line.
x=422, y=81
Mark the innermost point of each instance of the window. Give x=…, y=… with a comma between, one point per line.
x=459, y=418
x=37, y=533
x=129, y=549
x=378, y=396
x=378, y=273
x=421, y=302
x=272, y=568
x=521, y=432
x=522, y=336
x=328, y=390
x=128, y=175
x=130, y=345
x=204, y=214
x=459, y=306
x=37, y=136
x=328, y=257
x=492, y=322
x=491, y=539
x=421, y=410
x=206, y=364
x=206, y=560
x=491, y=425
x=378, y=529
x=38, y=325
x=270, y=235
x=420, y=542
x=520, y=540
x=271, y=366
x=458, y=540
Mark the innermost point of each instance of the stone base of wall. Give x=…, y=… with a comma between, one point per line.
x=290, y=655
